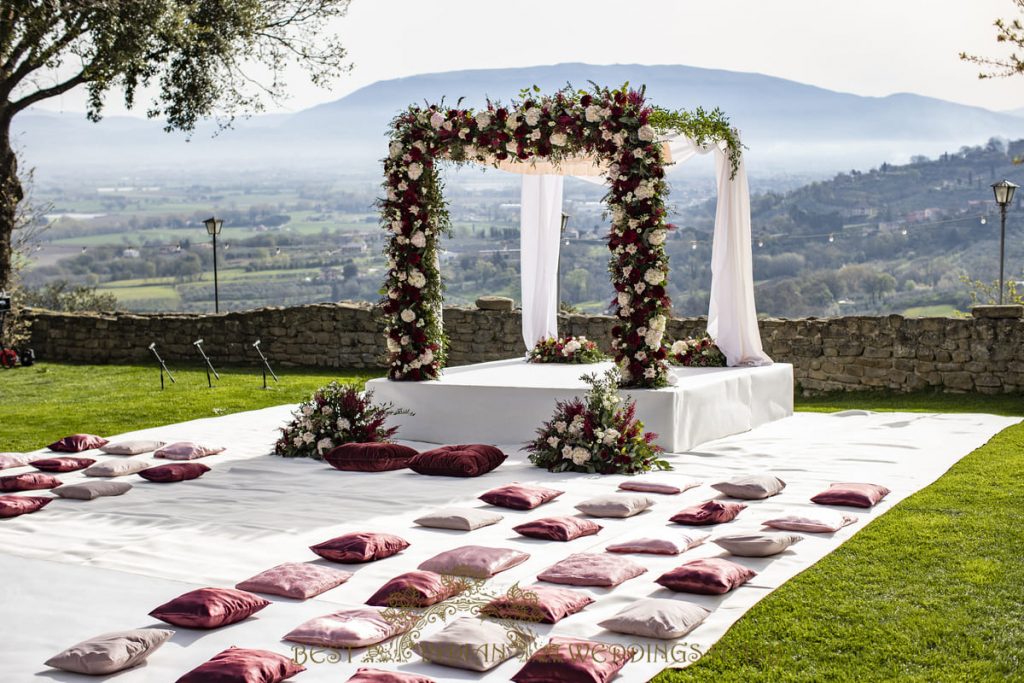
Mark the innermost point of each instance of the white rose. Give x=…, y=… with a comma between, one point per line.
x=323, y=444
x=567, y=452
x=327, y=410
x=657, y=237
x=406, y=340
x=436, y=120
x=639, y=288
x=643, y=191
x=580, y=455
x=483, y=119
x=297, y=441
x=417, y=279
x=646, y=133
x=415, y=170
x=650, y=373
x=571, y=348
x=653, y=338
x=640, y=356
x=308, y=437
x=679, y=347
x=654, y=276
x=408, y=315
x=630, y=248
x=395, y=149
x=560, y=426
x=418, y=239
x=307, y=410
x=512, y=122
x=623, y=298
x=658, y=322
x=553, y=441
x=427, y=357
x=512, y=147
x=532, y=116
x=593, y=113
x=393, y=346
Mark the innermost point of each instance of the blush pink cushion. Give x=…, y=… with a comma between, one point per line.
x=29, y=481
x=417, y=589
x=706, y=576
x=545, y=604
x=558, y=528
x=14, y=506
x=360, y=547
x=520, y=497
x=369, y=675
x=76, y=443
x=242, y=665
x=299, y=580
x=209, y=608
x=592, y=569
x=185, y=450
x=853, y=495
x=710, y=512
x=820, y=521
x=678, y=543
x=178, y=471
x=59, y=465
x=477, y=561
x=651, y=487
x=9, y=460
x=568, y=660
x=370, y=457
x=350, y=628
x=458, y=461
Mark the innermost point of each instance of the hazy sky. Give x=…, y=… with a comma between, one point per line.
x=868, y=47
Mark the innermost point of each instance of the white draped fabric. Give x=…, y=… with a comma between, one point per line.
x=539, y=238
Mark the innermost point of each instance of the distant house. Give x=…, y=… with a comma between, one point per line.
x=130, y=253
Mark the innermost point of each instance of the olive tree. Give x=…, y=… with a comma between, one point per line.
x=1010, y=33
x=198, y=58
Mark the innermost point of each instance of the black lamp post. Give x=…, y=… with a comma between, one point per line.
x=213, y=226
x=1003, y=191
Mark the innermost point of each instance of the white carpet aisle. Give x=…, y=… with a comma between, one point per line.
x=79, y=568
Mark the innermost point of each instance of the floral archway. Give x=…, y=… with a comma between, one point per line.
x=614, y=128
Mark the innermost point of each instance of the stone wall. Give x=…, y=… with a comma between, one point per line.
x=829, y=354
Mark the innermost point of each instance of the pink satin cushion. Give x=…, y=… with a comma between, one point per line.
x=706, y=576
x=299, y=580
x=477, y=561
x=59, y=465
x=660, y=546
x=360, y=547
x=568, y=660
x=9, y=460
x=351, y=628
x=545, y=604
x=13, y=506
x=178, y=471
x=651, y=487
x=853, y=495
x=209, y=608
x=592, y=569
x=417, y=589
x=368, y=675
x=243, y=665
x=458, y=461
x=519, y=497
x=76, y=443
x=558, y=528
x=370, y=457
x=819, y=521
x=710, y=512
x=29, y=481
x=185, y=450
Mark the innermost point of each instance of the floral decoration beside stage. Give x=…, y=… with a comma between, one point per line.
x=598, y=435
x=335, y=414
x=617, y=128
x=568, y=349
x=701, y=352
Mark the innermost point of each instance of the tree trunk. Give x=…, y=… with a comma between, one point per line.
x=11, y=194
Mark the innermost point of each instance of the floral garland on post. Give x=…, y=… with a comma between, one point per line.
x=617, y=127
x=569, y=349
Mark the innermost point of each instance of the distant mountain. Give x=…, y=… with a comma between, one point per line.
x=788, y=126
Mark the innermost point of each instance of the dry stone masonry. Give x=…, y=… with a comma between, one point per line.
x=983, y=354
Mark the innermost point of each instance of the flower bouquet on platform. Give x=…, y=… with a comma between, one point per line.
x=597, y=435
x=333, y=415
x=701, y=352
x=565, y=350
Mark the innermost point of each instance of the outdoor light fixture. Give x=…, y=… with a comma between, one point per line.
x=266, y=364
x=209, y=365
x=213, y=226
x=163, y=366
x=1003, y=191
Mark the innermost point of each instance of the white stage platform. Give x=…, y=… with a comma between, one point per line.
x=506, y=401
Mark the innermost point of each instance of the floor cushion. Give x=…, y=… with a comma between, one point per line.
x=819, y=521
x=352, y=628
x=706, y=576
x=15, y=506
x=243, y=665
x=11, y=460
x=178, y=471
x=76, y=443
x=519, y=496
x=365, y=674
x=674, y=545
x=28, y=481
x=661, y=618
x=751, y=487
x=358, y=547
x=641, y=486
x=458, y=461
x=116, y=468
x=570, y=660
x=476, y=561
x=133, y=447
x=852, y=495
x=299, y=580
x=709, y=512
x=186, y=450
x=370, y=457
x=417, y=589
x=61, y=465
x=88, y=490
x=472, y=643
x=763, y=544
x=592, y=569
x=459, y=519
x=615, y=505
x=208, y=608
x=558, y=528
x=545, y=604
x=110, y=652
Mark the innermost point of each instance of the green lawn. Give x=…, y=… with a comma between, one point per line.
x=933, y=590
x=938, y=311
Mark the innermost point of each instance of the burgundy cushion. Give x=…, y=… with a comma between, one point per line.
x=209, y=608
x=299, y=580
x=710, y=512
x=558, y=528
x=417, y=589
x=177, y=471
x=458, y=461
x=242, y=665
x=545, y=604
x=519, y=497
x=62, y=464
x=853, y=495
x=76, y=443
x=370, y=457
x=12, y=506
x=29, y=481
x=707, y=576
x=367, y=675
x=360, y=547
x=568, y=660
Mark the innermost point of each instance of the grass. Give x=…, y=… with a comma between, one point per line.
x=938, y=311
x=929, y=591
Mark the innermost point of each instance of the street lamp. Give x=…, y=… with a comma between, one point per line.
x=1003, y=191
x=213, y=226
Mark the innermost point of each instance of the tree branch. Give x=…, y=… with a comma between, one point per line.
x=46, y=93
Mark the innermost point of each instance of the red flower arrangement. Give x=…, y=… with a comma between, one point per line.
x=701, y=352
x=568, y=349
